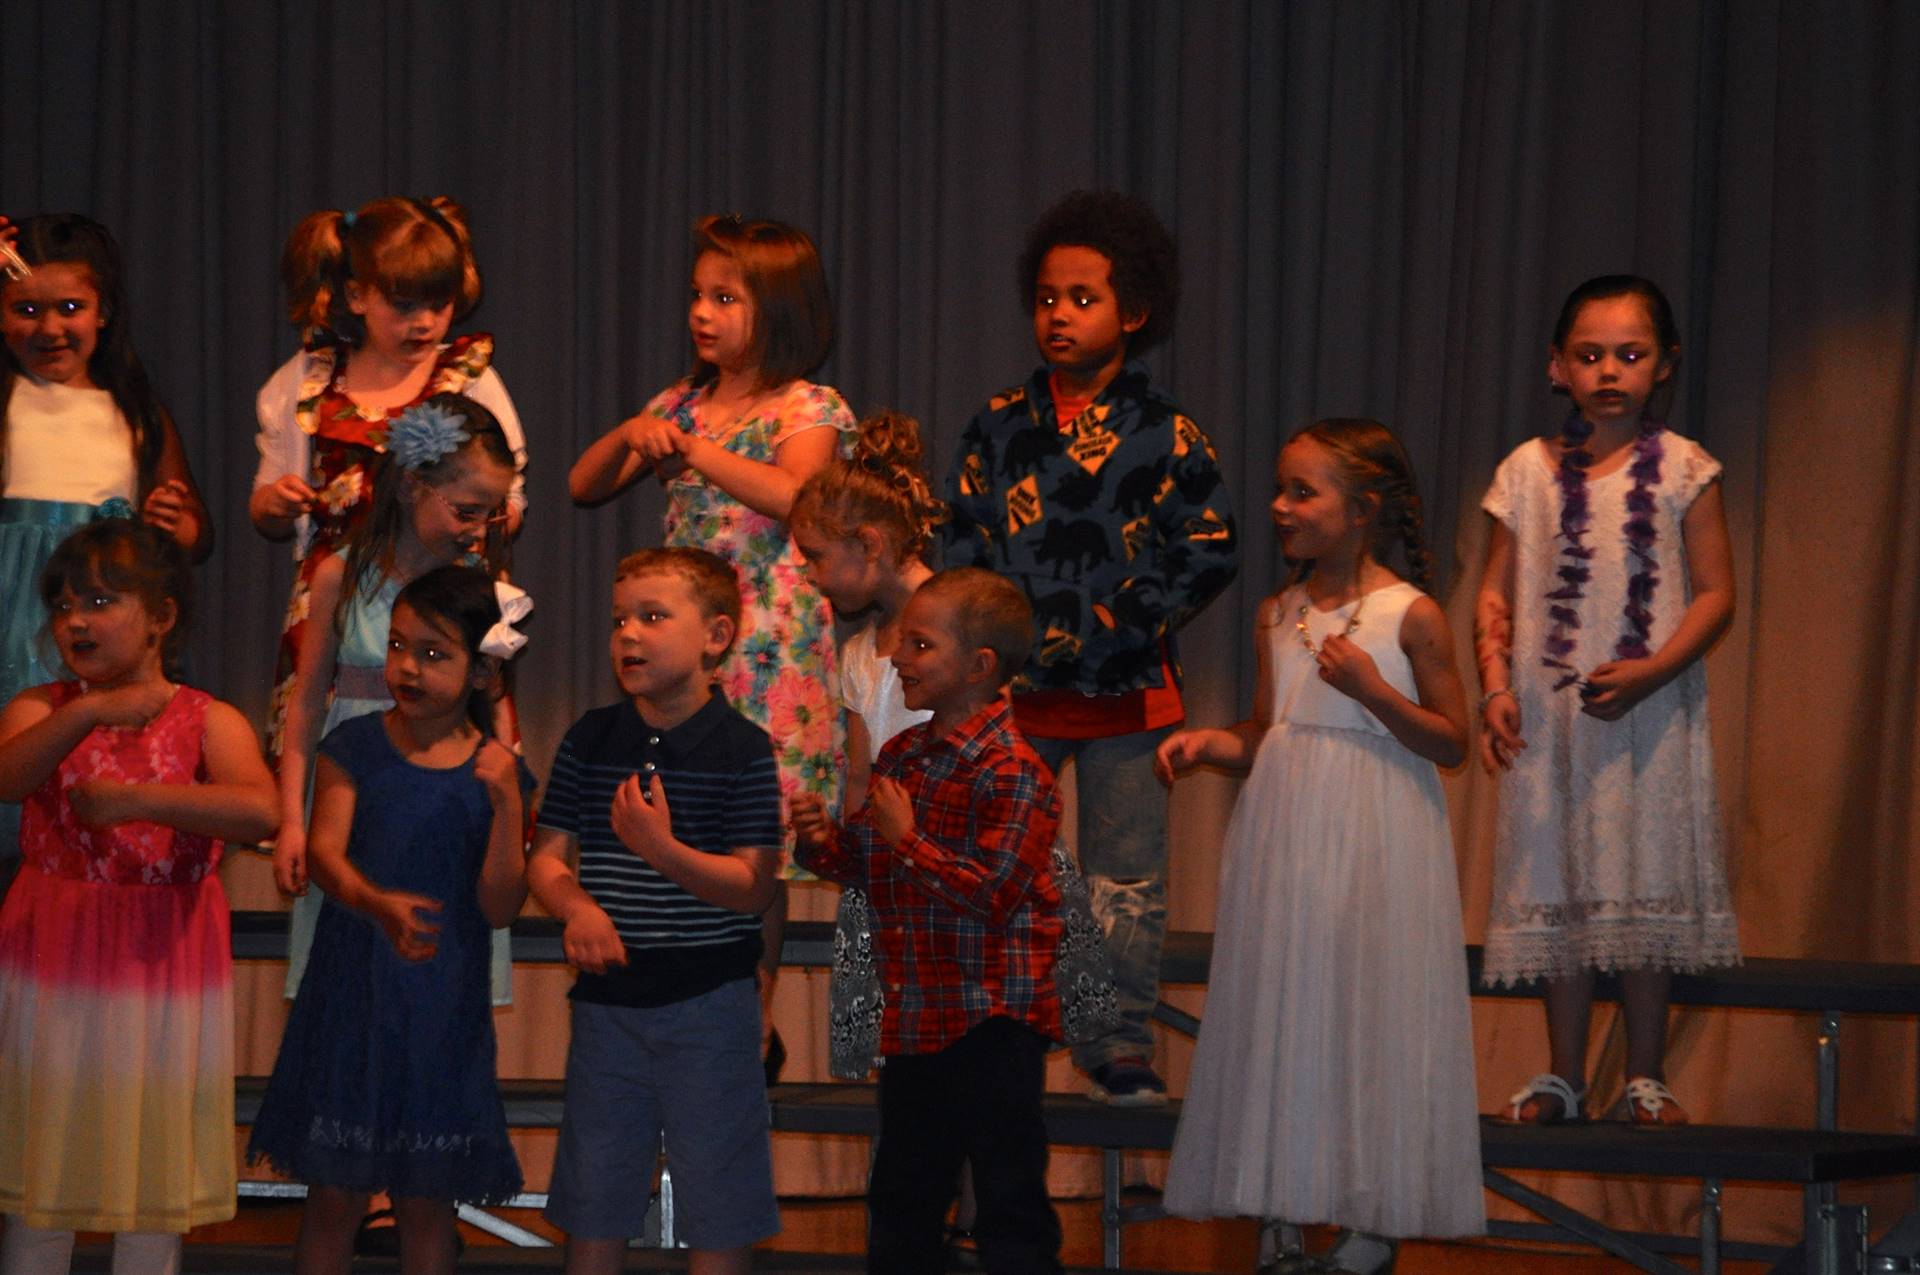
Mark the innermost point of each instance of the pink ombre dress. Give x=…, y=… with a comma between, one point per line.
x=116, y=1000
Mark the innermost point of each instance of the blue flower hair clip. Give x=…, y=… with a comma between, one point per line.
x=113, y=507
x=424, y=435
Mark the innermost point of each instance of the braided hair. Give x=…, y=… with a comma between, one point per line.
x=1372, y=462
x=882, y=484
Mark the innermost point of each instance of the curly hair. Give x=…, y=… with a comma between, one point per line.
x=410, y=249
x=882, y=484
x=1372, y=462
x=1145, y=266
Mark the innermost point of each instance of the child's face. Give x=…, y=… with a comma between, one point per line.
x=429, y=669
x=845, y=569
x=1077, y=318
x=108, y=636
x=662, y=642
x=720, y=314
x=938, y=670
x=451, y=519
x=1312, y=511
x=400, y=330
x=52, y=322
x=1611, y=360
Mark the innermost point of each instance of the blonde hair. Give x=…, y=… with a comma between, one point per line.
x=881, y=485
x=711, y=579
x=409, y=249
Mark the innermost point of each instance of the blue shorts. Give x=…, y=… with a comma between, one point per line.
x=692, y=1071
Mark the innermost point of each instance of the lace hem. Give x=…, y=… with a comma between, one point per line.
x=460, y=1167
x=1685, y=945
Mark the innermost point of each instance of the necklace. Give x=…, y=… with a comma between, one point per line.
x=1353, y=622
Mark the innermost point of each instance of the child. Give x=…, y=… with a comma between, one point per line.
x=116, y=977
x=952, y=847
x=1089, y=489
x=733, y=442
x=1608, y=575
x=862, y=526
x=440, y=492
x=1327, y=1080
x=372, y=293
x=385, y=1079
x=81, y=430
x=671, y=800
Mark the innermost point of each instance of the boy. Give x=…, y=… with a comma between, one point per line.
x=1090, y=488
x=672, y=802
x=952, y=848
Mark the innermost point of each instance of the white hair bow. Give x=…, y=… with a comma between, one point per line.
x=503, y=641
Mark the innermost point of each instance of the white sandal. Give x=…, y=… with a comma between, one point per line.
x=1652, y=1105
x=1548, y=1085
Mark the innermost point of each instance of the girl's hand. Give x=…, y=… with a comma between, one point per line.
x=399, y=914
x=590, y=941
x=892, y=810
x=1611, y=691
x=100, y=803
x=1500, y=739
x=494, y=767
x=1347, y=668
x=133, y=705
x=650, y=438
x=165, y=506
x=287, y=497
x=1177, y=752
x=290, y=860
x=811, y=827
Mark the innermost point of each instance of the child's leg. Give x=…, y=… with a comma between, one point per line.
x=1569, y=1014
x=915, y=1164
x=31, y=1250
x=724, y=1261
x=1647, y=992
x=595, y=1256
x=773, y=935
x=998, y=1095
x=429, y=1241
x=327, y=1225
x=146, y=1253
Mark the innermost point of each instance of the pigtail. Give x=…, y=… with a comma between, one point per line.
x=450, y=217
x=313, y=271
x=418, y=249
x=881, y=484
x=1413, y=543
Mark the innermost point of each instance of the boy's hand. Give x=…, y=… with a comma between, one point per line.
x=811, y=827
x=100, y=803
x=494, y=767
x=640, y=817
x=590, y=941
x=399, y=914
x=290, y=859
x=890, y=809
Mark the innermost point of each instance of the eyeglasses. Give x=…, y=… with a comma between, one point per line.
x=470, y=517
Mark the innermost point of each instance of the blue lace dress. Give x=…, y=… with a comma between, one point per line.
x=386, y=1075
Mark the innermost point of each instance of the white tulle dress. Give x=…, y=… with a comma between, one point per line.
x=1333, y=1081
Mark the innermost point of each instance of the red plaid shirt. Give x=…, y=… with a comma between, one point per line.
x=966, y=913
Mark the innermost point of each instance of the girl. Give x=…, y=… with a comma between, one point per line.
x=373, y=293
x=1608, y=575
x=81, y=429
x=733, y=442
x=1327, y=1080
x=385, y=1078
x=116, y=980
x=440, y=492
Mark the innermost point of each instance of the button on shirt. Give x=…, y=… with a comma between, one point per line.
x=966, y=912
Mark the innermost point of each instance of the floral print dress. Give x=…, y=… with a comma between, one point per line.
x=782, y=673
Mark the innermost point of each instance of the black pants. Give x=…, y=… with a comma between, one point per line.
x=977, y=1100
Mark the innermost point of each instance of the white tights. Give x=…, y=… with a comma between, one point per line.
x=29, y=1250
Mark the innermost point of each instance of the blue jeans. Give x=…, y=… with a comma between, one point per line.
x=1122, y=813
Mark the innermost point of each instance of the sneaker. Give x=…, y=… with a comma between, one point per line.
x=1128, y=1082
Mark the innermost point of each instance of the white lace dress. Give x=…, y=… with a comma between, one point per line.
x=1608, y=852
x=1333, y=1079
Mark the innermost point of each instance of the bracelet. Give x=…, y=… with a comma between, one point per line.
x=1490, y=696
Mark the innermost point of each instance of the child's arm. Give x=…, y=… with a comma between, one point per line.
x=763, y=488
x=588, y=938
x=173, y=505
x=611, y=462
x=1436, y=727
x=1013, y=819
x=1229, y=747
x=35, y=737
x=1623, y=683
x=821, y=846
x=502, y=887
x=314, y=668
x=741, y=880
x=859, y=763
x=1196, y=540
x=967, y=535
x=236, y=803
x=1500, y=737
x=397, y=912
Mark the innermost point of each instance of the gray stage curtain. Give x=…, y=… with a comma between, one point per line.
x=1379, y=207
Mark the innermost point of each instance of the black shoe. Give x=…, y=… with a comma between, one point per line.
x=1128, y=1082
